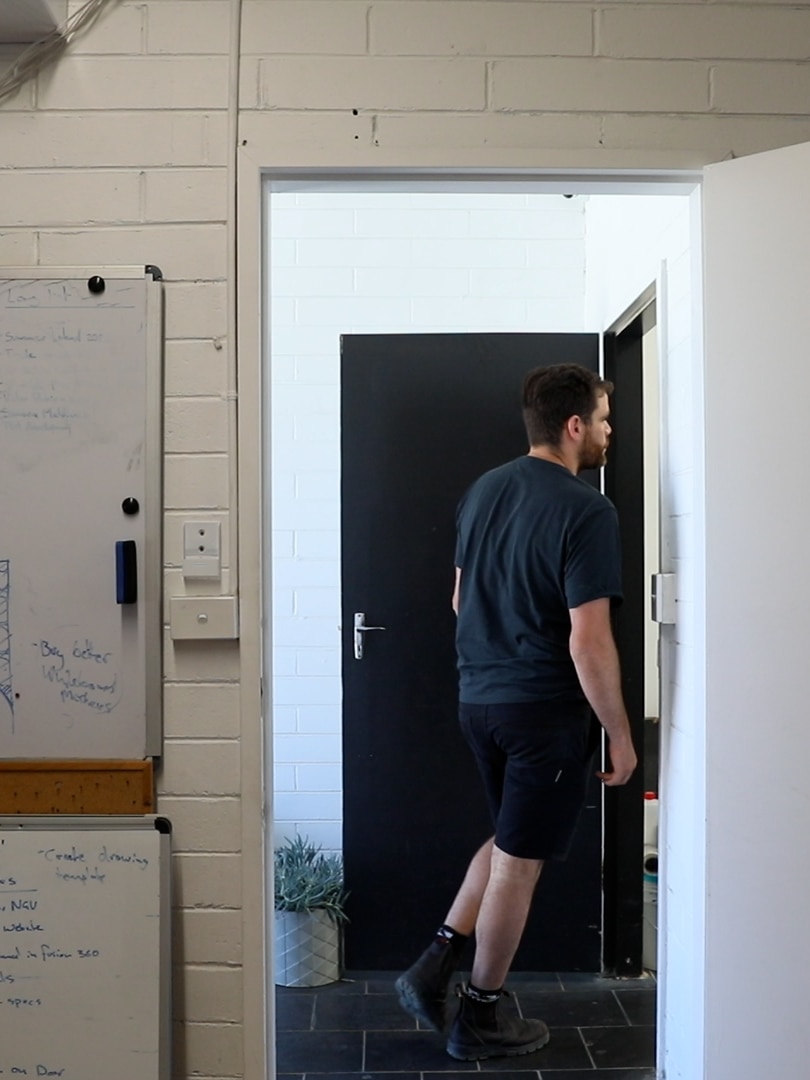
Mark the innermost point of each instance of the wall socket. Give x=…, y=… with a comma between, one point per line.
x=202, y=553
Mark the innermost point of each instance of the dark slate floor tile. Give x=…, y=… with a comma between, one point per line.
x=615, y=1048
x=639, y=1006
x=347, y=985
x=363, y=1076
x=516, y=1074
x=380, y=986
x=615, y=1017
x=422, y=1051
x=384, y=983
x=581, y=980
x=371, y=1012
x=565, y=1050
x=604, y=1074
x=573, y=1008
x=374, y=982
x=537, y=980
x=294, y=1011
x=343, y=986
x=319, y=1051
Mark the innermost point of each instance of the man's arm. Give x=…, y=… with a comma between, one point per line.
x=593, y=651
x=457, y=589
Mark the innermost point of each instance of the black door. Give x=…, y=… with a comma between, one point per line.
x=422, y=416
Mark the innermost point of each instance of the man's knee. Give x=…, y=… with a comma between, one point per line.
x=514, y=868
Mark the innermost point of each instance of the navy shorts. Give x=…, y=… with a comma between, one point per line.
x=535, y=761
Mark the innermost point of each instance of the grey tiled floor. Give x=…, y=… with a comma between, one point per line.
x=355, y=1030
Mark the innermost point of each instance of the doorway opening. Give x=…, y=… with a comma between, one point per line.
x=351, y=259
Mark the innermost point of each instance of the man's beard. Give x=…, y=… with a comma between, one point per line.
x=591, y=455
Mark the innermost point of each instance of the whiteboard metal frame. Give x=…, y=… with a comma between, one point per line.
x=153, y=472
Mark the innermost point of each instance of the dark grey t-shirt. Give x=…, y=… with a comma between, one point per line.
x=533, y=540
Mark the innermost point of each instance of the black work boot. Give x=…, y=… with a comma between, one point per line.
x=485, y=1029
x=422, y=988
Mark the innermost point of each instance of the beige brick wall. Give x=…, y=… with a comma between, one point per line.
x=118, y=154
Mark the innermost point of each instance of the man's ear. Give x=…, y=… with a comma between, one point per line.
x=574, y=426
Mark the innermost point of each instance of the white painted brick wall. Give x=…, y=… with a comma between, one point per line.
x=56, y=198
x=195, y=482
x=210, y=993
x=481, y=29
x=116, y=155
x=203, y=825
x=185, y=28
x=304, y=82
x=596, y=85
x=358, y=262
x=713, y=31
x=316, y=27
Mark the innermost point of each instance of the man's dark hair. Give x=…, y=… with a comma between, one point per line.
x=552, y=395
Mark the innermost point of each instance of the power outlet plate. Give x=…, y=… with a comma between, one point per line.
x=202, y=551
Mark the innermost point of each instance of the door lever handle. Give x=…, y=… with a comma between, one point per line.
x=360, y=628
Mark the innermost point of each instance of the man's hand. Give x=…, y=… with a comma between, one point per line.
x=623, y=762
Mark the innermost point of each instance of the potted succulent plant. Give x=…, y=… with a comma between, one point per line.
x=309, y=912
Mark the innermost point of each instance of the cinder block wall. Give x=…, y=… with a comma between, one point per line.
x=117, y=155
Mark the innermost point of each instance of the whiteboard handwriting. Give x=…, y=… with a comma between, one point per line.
x=82, y=673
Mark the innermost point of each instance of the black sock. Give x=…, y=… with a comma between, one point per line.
x=475, y=993
x=446, y=935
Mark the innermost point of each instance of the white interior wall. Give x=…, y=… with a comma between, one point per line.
x=369, y=262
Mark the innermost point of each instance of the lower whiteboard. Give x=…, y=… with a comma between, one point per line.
x=85, y=947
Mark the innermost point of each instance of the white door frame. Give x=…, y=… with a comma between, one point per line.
x=256, y=168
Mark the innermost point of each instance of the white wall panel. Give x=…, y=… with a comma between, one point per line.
x=757, y=244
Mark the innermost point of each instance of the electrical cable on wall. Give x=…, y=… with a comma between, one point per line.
x=48, y=49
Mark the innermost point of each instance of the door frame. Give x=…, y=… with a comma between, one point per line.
x=258, y=169
x=623, y=359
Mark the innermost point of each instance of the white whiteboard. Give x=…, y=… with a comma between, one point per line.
x=80, y=431
x=85, y=948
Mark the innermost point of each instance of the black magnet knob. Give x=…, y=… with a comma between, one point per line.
x=130, y=506
x=96, y=284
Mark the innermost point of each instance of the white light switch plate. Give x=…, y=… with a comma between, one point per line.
x=197, y=617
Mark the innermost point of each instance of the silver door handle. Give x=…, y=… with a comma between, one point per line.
x=360, y=628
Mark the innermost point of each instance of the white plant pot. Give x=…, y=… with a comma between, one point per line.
x=307, y=948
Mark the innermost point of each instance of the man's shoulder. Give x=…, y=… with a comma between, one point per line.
x=590, y=500
x=493, y=478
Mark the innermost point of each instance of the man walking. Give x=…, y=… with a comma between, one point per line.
x=537, y=570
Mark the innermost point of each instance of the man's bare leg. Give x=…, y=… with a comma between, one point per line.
x=504, y=909
x=463, y=913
